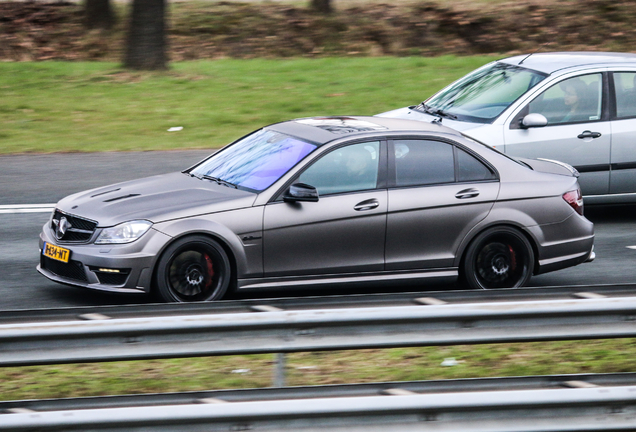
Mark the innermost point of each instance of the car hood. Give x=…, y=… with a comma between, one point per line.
x=408, y=113
x=158, y=198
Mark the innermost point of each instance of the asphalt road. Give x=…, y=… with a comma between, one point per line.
x=44, y=179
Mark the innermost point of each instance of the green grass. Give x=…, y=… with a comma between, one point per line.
x=338, y=367
x=70, y=107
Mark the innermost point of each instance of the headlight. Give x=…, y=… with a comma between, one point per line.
x=123, y=233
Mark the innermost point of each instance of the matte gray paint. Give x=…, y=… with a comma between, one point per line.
x=158, y=198
x=414, y=233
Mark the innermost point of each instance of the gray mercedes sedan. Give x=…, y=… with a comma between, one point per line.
x=320, y=201
x=575, y=107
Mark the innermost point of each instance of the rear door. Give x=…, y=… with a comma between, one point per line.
x=623, y=160
x=437, y=194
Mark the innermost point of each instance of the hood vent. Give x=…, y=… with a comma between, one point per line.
x=121, y=197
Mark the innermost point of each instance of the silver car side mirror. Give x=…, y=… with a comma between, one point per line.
x=534, y=120
x=301, y=192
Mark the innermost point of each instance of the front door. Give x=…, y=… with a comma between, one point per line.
x=578, y=130
x=344, y=231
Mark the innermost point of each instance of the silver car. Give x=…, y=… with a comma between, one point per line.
x=319, y=201
x=579, y=108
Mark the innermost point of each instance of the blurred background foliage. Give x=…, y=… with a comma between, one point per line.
x=272, y=29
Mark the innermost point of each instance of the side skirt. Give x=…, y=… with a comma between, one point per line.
x=295, y=281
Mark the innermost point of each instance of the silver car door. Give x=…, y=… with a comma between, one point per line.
x=577, y=132
x=437, y=194
x=344, y=230
x=623, y=161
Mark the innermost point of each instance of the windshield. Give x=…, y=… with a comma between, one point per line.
x=483, y=94
x=256, y=161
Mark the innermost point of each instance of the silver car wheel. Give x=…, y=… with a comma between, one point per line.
x=500, y=257
x=193, y=269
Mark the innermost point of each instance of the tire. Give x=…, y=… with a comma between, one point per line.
x=193, y=269
x=500, y=257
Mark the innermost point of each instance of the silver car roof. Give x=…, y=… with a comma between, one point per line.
x=553, y=62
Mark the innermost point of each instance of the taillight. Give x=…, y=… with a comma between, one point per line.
x=575, y=199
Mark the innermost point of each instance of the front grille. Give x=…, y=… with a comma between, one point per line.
x=73, y=229
x=71, y=270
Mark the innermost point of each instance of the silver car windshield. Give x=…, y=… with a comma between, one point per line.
x=483, y=94
x=254, y=162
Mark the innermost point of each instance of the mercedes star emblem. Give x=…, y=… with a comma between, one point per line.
x=61, y=228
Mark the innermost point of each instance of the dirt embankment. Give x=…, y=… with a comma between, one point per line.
x=43, y=31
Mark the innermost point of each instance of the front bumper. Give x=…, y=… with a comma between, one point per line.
x=123, y=268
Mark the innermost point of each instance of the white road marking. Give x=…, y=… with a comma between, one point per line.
x=631, y=247
x=26, y=208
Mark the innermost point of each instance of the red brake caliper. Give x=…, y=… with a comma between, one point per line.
x=513, y=258
x=210, y=273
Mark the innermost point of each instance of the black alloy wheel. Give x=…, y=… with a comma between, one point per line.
x=500, y=257
x=193, y=269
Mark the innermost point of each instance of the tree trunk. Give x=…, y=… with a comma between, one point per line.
x=98, y=14
x=322, y=6
x=146, y=43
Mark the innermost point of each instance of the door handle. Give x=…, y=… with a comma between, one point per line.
x=369, y=204
x=467, y=193
x=589, y=134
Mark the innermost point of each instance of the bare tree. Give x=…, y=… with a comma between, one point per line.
x=322, y=6
x=98, y=14
x=146, y=43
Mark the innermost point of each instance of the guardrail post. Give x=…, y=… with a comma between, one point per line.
x=279, y=372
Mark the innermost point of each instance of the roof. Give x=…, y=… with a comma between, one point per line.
x=325, y=129
x=553, y=62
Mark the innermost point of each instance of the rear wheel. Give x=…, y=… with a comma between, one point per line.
x=499, y=257
x=193, y=269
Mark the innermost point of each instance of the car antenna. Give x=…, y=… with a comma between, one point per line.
x=533, y=52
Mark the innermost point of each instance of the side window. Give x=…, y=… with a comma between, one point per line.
x=422, y=162
x=625, y=88
x=573, y=100
x=346, y=169
x=472, y=169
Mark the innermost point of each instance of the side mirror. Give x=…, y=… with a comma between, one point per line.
x=301, y=192
x=534, y=120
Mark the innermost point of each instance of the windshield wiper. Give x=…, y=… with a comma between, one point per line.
x=443, y=113
x=424, y=108
x=436, y=112
x=220, y=181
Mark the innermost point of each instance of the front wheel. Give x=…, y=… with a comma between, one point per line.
x=500, y=257
x=193, y=269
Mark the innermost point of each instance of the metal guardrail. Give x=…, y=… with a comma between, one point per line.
x=574, y=409
x=313, y=330
x=350, y=301
x=542, y=382
x=232, y=330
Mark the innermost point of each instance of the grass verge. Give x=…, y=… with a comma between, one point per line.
x=337, y=367
x=71, y=107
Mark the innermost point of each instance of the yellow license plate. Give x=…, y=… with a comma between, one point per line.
x=56, y=252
